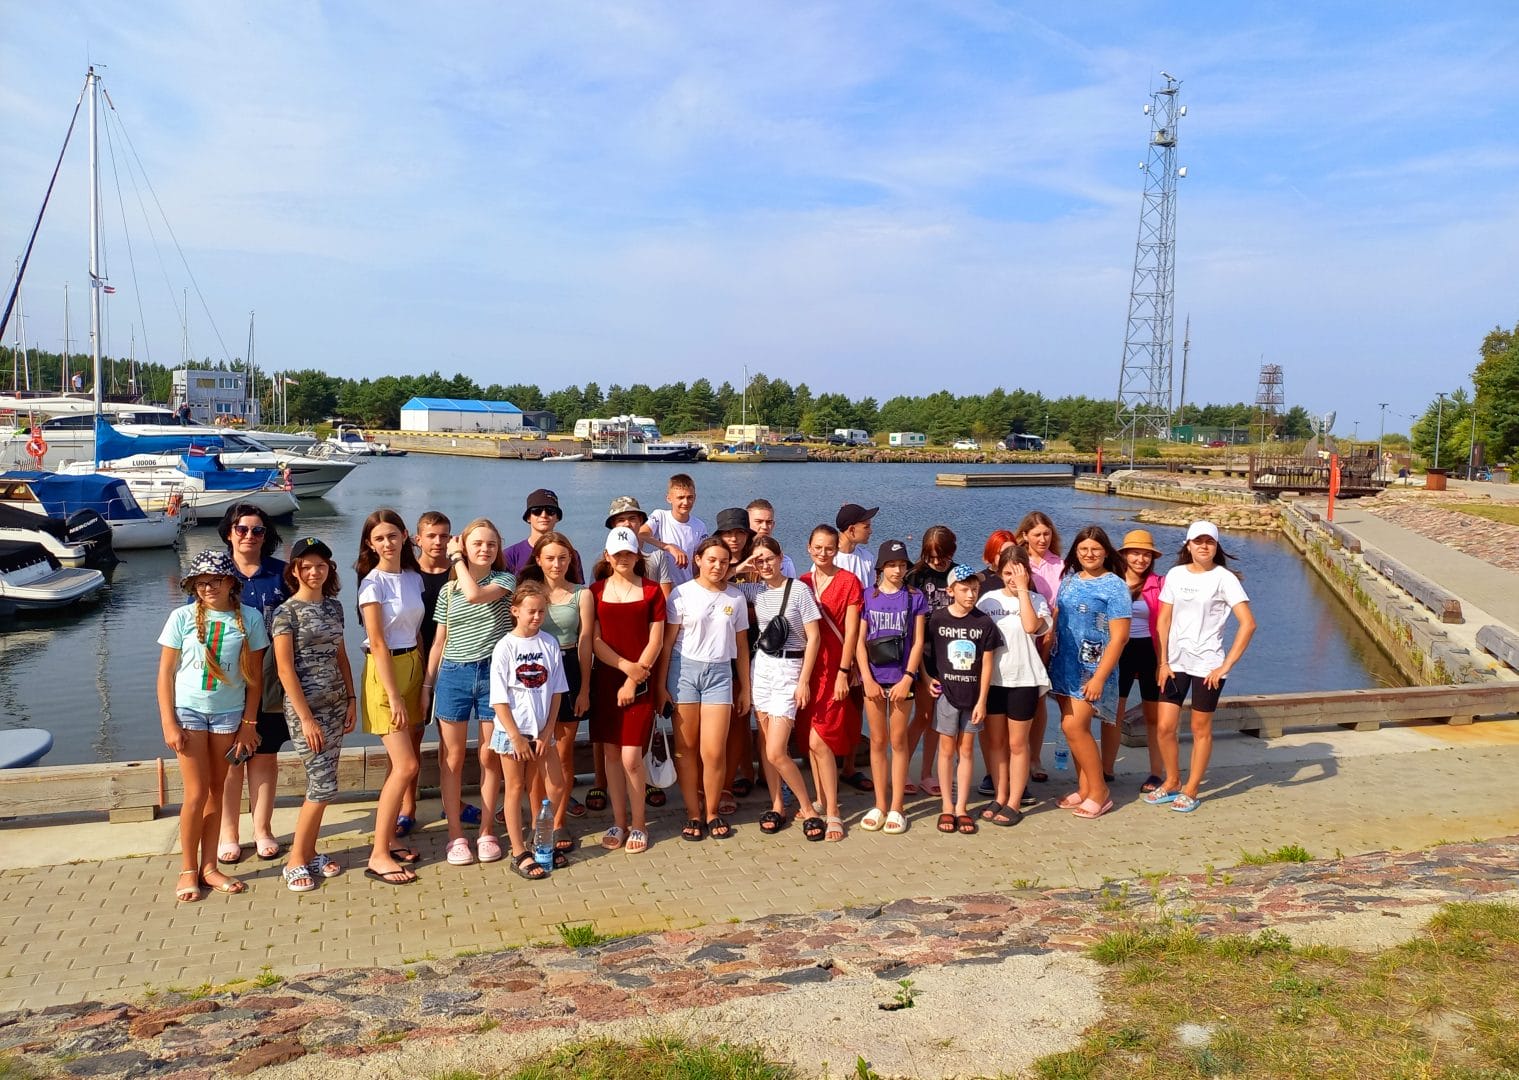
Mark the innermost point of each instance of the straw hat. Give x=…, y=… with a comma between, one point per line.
x=1139, y=540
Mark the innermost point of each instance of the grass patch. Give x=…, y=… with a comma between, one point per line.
x=1441, y=1005
x=1508, y=515
x=657, y=1057
x=580, y=935
x=1285, y=853
x=14, y=1068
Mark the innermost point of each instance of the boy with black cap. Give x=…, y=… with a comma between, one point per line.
x=542, y=516
x=853, y=522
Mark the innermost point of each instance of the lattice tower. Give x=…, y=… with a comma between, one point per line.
x=1270, y=398
x=1144, y=381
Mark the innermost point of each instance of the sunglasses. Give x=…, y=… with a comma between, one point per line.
x=538, y=511
x=249, y=530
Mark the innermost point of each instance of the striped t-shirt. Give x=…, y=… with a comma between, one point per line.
x=474, y=629
x=801, y=608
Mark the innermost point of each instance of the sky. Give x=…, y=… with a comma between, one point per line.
x=873, y=198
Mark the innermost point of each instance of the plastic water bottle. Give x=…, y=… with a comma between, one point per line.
x=1062, y=751
x=543, y=837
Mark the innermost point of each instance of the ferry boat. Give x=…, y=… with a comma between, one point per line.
x=632, y=438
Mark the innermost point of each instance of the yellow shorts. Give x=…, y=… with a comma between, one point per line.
x=408, y=669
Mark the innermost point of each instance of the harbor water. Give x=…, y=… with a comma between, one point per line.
x=88, y=676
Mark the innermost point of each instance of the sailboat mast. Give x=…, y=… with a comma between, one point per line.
x=63, y=378
x=250, y=407
x=93, y=81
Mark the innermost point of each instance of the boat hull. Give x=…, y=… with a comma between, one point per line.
x=154, y=531
x=684, y=453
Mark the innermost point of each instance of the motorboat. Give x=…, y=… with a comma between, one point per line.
x=551, y=456
x=155, y=446
x=57, y=495
x=32, y=580
x=82, y=539
x=740, y=453
x=202, y=484
x=634, y=438
x=348, y=441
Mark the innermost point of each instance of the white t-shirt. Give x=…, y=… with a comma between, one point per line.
x=683, y=534
x=859, y=562
x=1200, y=605
x=401, y=605
x=1017, y=663
x=709, y=622
x=526, y=673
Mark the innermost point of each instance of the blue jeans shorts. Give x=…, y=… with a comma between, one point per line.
x=217, y=723
x=463, y=691
x=700, y=681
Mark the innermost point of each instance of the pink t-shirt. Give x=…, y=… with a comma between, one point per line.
x=1047, y=574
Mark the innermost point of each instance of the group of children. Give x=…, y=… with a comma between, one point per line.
x=702, y=628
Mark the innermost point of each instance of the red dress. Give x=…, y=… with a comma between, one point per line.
x=624, y=627
x=837, y=722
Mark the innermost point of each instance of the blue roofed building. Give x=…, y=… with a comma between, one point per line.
x=458, y=414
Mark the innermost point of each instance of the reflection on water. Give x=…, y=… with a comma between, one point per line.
x=90, y=677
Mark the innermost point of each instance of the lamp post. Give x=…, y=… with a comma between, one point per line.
x=1381, y=431
x=1046, y=428
x=1471, y=445
x=1439, y=416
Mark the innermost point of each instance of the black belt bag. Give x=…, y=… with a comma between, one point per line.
x=884, y=652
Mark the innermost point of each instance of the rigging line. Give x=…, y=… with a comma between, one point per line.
x=127, y=236
x=147, y=221
x=127, y=137
x=10, y=302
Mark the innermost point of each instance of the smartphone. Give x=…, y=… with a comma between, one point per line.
x=641, y=690
x=237, y=754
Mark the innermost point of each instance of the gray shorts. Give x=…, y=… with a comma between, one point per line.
x=951, y=721
x=698, y=681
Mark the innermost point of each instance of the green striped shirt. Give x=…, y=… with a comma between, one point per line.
x=474, y=629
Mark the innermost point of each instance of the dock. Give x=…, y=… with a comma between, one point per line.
x=1063, y=477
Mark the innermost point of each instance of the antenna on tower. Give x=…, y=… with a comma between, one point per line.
x=1144, y=381
x=1270, y=397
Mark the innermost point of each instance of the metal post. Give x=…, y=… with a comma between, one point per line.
x=1439, y=416
x=1381, y=432
x=1471, y=445
x=92, y=87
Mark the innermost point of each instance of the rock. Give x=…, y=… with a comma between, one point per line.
x=152, y=1023
x=378, y=1006
x=107, y=1015
x=270, y=1053
x=329, y=1031
x=449, y=1002
x=801, y=976
x=127, y=1063
x=712, y=954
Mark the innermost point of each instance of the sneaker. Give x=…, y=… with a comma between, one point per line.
x=459, y=853
x=987, y=786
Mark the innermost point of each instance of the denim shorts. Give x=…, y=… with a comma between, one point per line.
x=463, y=691
x=700, y=681
x=217, y=723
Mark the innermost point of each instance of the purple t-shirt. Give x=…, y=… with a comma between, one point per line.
x=885, y=615
x=520, y=554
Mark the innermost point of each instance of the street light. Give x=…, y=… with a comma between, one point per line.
x=1046, y=428
x=1381, y=431
x=1471, y=446
x=1439, y=416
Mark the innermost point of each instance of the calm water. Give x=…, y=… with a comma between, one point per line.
x=89, y=677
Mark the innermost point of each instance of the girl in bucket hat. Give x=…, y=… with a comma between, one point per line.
x=1136, y=664
x=210, y=675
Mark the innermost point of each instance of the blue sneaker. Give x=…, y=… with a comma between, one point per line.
x=987, y=786
x=470, y=815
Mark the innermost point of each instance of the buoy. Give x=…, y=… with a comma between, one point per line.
x=175, y=502
x=36, y=446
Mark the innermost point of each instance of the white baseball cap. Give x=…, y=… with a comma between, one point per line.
x=1202, y=528
x=621, y=539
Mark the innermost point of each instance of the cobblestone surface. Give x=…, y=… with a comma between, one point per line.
x=1491, y=541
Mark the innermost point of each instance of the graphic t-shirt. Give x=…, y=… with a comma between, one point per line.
x=474, y=629
x=1017, y=663
x=1200, y=605
x=401, y=606
x=887, y=615
x=709, y=621
x=933, y=584
x=955, y=647
x=526, y=673
x=195, y=686
x=683, y=534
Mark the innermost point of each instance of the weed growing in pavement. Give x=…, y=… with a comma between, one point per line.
x=580, y=935
x=1287, y=853
x=267, y=977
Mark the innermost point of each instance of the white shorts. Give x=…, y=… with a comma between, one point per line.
x=773, y=685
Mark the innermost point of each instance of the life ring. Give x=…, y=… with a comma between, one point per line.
x=175, y=502
x=36, y=446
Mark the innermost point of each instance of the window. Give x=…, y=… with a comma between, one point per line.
x=205, y=383
x=224, y=406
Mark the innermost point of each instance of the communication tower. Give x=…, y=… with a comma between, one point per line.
x=1144, y=383
x=1269, y=401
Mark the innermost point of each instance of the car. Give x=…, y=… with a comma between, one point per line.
x=795, y=436
x=836, y=440
x=1216, y=443
x=967, y=444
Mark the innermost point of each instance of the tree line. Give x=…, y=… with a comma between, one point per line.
x=312, y=396
x=1488, y=417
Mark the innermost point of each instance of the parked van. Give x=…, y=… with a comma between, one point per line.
x=907, y=438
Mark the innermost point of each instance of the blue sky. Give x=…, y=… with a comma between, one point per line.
x=874, y=198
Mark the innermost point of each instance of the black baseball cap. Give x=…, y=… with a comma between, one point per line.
x=892, y=551
x=852, y=514
x=541, y=499
x=310, y=545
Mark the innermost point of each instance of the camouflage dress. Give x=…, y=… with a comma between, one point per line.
x=317, y=633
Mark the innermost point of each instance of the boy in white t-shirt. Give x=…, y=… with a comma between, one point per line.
x=527, y=680
x=675, y=531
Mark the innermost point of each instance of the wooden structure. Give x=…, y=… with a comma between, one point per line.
x=1270, y=716
x=1309, y=475
x=1049, y=478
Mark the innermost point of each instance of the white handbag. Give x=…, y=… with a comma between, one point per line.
x=659, y=756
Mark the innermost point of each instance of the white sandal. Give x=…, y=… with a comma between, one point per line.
x=638, y=841
x=872, y=819
x=612, y=838
x=296, y=875
x=896, y=824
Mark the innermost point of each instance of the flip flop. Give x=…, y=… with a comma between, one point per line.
x=638, y=842
x=596, y=799
x=391, y=877
x=1008, y=817
x=895, y=825
x=966, y=825
x=653, y=796
x=874, y=818
x=991, y=810
x=1185, y=804
x=1152, y=782
x=1070, y=802
x=268, y=848
x=612, y=839
x=814, y=829
x=229, y=853
x=694, y=830
x=910, y=789
x=405, y=855
x=719, y=829
x=1091, y=811
x=771, y=822
x=1161, y=797
x=946, y=823
x=576, y=808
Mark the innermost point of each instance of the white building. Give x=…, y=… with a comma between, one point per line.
x=215, y=396
x=907, y=438
x=454, y=414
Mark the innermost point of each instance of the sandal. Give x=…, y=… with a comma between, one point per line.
x=226, y=884
x=835, y=831
x=771, y=823
x=719, y=829
x=1039, y=776
x=1091, y=810
x=323, y=867
x=230, y=853
x=1109, y=777
x=268, y=848
x=1070, y=802
x=990, y=811
x=814, y=829
x=1184, y=804
x=653, y=796
x=742, y=787
x=910, y=789
x=560, y=860
x=189, y=894
x=596, y=799
x=726, y=803
x=404, y=824
x=895, y=825
x=874, y=818
x=693, y=830
x=931, y=786
x=1151, y=783
x=488, y=849
x=860, y=781
x=563, y=841
x=400, y=876
x=966, y=825
x=946, y=823
x=1007, y=816
x=405, y=855
x=612, y=838
x=638, y=842
x=1159, y=796
x=524, y=865
x=298, y=878
x=575, y=808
